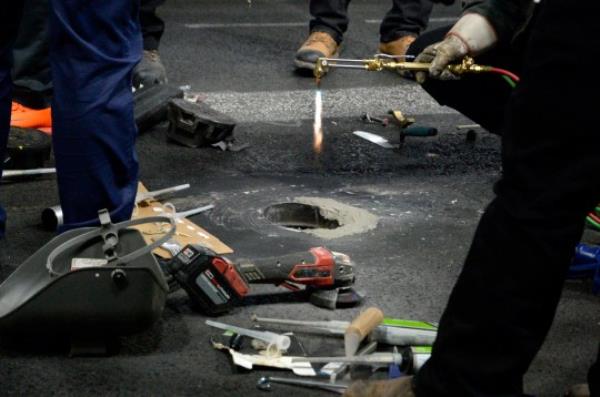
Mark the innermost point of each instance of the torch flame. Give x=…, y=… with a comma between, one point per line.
x=318, y=124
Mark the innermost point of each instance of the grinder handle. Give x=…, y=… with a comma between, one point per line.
x=315, y=267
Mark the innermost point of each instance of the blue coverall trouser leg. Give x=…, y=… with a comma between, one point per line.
x=94, y=47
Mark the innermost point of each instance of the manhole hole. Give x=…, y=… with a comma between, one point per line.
x=299, y=216
x=321, y=217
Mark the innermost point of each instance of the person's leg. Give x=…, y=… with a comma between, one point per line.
x=402, y=24
x=327, y=27
x=150, y=70
x=505, y=298
x=594, y=377
x=9, y=22
x=329, y=16
x=31, y=67
x=152, y=25
x=483, y=97
x=94, y=47
x=405, y=18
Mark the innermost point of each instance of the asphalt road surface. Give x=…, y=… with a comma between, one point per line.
x=428, y=198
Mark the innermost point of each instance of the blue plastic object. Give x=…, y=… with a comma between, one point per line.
x=394, y=371
x=586, y=263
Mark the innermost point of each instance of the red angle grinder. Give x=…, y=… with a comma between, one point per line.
x=215, y=284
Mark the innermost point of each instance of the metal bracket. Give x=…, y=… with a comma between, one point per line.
x=111, y=239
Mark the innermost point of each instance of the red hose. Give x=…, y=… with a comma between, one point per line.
x=507, y=73
x=594, y=217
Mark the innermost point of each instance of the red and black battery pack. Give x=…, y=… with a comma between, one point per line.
x=212, y=282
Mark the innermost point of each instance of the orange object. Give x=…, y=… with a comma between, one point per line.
x=24, y=117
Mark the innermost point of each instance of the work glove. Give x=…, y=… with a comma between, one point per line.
x=471, y=35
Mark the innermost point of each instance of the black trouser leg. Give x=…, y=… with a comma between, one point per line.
x=152, y=26
x=330, y=16
x=31, y=68
x=406, y=17
x=505, y=299
x=482, y=98
x=9, y=23
x=594, y=377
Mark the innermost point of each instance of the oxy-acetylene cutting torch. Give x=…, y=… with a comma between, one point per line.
x=386, y=62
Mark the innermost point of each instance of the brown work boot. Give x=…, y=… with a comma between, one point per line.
x=401, y=387
x=150, y=71
x=397, y=47
x=581, y=390
x=318, y=45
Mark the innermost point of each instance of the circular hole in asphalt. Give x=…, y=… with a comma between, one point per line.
x=299, y=216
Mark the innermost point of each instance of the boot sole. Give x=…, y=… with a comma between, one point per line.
x=303, y=65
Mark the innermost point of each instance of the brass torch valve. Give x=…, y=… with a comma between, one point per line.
x=468, y=65
x=382, y=62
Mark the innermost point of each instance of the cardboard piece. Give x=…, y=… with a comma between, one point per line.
x=187, y=231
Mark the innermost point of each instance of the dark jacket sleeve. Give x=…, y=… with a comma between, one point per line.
x=506, y=16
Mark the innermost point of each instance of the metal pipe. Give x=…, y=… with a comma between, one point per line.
x=194, y=211
x=369, y=359
x=52, y=217
x=148, y=195
x=31, y=172
x=342, y=369
x=264, y=384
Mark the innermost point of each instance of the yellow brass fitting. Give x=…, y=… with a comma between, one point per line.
x=468, y=65
x=376, y=65
x=321, y=68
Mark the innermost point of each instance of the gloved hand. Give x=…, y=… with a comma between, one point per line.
x=441, y=55
x=471, y=35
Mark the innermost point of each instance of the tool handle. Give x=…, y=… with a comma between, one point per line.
x=315, y=267
x=366, y=322
x=109, y=232
x=420, y=131
x=358, y=329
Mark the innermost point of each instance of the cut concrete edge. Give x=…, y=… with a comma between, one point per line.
x=352, y=220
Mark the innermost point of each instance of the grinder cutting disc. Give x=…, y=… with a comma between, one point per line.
x=336, y=298
x=27, y=148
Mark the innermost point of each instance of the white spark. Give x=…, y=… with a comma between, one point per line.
x=318, y=124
